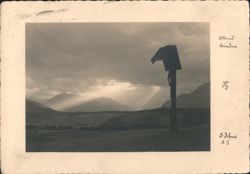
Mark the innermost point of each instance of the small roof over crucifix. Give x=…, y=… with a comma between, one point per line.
x=169, y=55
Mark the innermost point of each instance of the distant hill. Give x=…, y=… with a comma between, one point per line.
x=199, y=98
x=99, y=104
x=59, y=101
x=32, y=106
x=157, y=118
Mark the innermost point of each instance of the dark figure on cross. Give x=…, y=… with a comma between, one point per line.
x=170, y=77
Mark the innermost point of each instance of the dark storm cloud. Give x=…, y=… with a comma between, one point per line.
x=63, y=56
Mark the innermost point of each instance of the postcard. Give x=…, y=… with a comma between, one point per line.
x=124, y=87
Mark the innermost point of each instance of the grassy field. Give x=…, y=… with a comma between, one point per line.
x=118, y=131
x=187, y=139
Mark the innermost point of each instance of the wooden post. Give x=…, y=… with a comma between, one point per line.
x=173, y=117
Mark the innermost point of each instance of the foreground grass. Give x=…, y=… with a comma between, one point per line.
x=187, y=139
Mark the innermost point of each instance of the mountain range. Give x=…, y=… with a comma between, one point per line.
x=199, y=98
x=71, y=102
x=98, y=105
x=60, y=101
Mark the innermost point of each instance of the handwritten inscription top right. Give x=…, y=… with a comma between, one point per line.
x=227, y=41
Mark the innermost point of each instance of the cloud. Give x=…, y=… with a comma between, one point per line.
x=64, y=56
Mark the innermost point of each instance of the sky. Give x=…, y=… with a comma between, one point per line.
x=113, y=60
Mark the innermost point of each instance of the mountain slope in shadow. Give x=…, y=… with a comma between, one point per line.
x=33, y=106
x=199, y=98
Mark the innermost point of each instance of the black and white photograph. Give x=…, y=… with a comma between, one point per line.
x=124, y=87
x=117, y=87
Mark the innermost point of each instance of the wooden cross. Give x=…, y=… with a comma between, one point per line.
x=171, y=61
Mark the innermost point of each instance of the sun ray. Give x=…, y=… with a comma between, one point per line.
x=146, y=98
